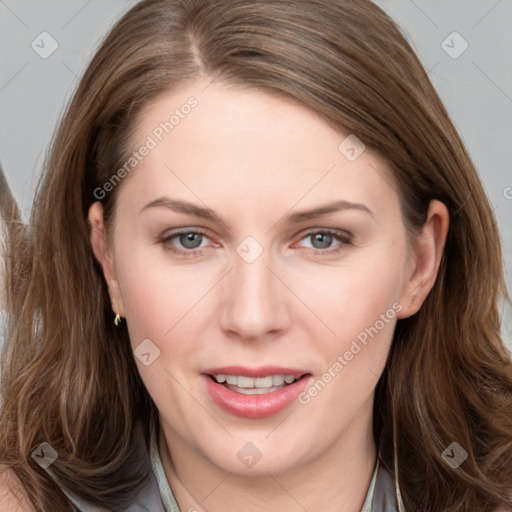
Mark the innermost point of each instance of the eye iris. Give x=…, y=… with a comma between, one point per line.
x=323, y=239
x=191, y=240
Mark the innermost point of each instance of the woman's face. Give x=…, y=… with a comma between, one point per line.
x=250, y=247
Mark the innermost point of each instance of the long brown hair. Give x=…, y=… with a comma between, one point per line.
x=68, y=375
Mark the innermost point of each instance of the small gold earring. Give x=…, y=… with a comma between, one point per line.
x=117, y=319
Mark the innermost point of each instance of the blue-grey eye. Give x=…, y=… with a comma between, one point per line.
x=321, y=240
x=190, y=240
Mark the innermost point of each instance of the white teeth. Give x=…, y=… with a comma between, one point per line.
x=241, y=381
x=278, y=380
x=263, y=382
x=244, y=382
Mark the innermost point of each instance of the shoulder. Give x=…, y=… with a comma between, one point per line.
x=13, y=497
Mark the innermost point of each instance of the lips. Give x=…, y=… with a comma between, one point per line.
x=255, y=392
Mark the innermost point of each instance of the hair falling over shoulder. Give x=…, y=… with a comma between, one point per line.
x=68, y=375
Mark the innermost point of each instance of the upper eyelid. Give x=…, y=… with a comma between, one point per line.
x=331, y=231
x=309, y=231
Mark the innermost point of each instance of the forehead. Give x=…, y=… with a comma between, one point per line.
x=250, y=145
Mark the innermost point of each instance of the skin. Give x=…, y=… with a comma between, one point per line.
x=253, y=158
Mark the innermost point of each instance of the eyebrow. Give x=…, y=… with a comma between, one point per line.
x=326, y=209
x=180, y=206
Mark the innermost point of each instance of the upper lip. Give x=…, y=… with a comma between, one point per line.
x=261, y=371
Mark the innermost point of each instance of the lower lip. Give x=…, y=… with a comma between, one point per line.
x=255, y=406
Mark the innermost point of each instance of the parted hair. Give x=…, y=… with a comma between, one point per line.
x=68, y=375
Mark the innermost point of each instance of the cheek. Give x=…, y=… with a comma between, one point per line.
x=159, y=306
x=158, y=296
x=353, y=297
x=358, y=305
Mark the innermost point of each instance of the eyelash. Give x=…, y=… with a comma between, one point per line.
x=344, y=238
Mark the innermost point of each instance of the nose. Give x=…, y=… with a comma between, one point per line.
x=254, y=302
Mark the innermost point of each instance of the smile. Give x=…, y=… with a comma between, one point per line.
x=255, y=393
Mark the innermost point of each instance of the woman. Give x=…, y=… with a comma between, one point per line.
x=175, y=346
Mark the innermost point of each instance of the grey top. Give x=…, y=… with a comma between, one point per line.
x=157, y=495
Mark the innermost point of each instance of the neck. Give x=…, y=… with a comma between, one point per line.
x=338, y=479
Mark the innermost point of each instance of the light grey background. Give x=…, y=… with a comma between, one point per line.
x=476, y=85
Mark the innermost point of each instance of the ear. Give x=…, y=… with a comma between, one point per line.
x=425, y=258
x=101, y=251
